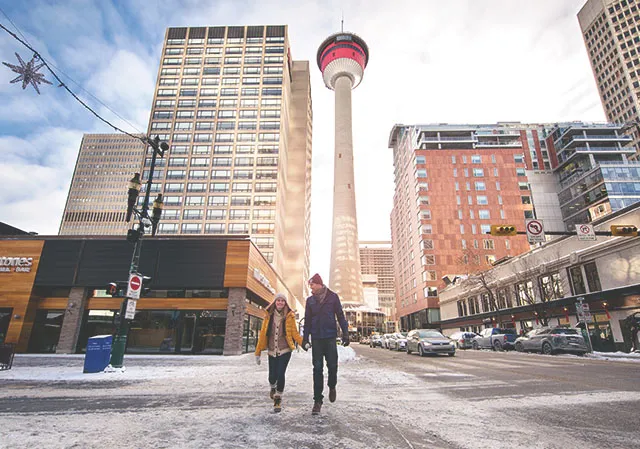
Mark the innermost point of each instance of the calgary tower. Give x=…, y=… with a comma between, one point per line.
x=342, y=58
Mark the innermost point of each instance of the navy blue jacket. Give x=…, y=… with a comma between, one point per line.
x=320, y=319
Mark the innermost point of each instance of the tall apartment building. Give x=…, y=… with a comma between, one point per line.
x=611, y=32
x=376, y=258
x=594, y=171
x=236, y=111
x=451, y=183
x=97, y=199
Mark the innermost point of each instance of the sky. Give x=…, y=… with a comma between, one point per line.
x=469, y=61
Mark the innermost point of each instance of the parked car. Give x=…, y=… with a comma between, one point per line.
x=399, y=341
x=375, y=340
x=385, y=340
x=428, y=341
x=495, y=338
x=552, y=340
x=463, y=340
x=364, y=341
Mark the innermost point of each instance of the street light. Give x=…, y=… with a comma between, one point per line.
x=134, y=235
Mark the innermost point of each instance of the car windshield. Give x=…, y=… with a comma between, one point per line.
x=430, y=334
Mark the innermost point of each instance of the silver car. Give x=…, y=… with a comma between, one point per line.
x=399, y=342
x=428, y=341
x=552, y=340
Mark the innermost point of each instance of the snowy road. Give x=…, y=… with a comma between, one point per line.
x=385, y=400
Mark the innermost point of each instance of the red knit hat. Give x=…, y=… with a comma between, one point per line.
x=316, y=279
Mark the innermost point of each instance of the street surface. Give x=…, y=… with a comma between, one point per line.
x=386, y=399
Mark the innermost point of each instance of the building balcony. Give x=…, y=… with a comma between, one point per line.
x=447, y=139
x=498, y=133
x=499, y=143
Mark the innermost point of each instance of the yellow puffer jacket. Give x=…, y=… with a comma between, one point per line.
x=291, y=331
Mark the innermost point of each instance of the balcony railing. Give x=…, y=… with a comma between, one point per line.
x=496, y=143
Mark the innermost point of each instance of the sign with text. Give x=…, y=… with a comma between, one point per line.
x=585, y=232
x=535, y=231
x=584, y=312
x=130, y=313
x=15, y=264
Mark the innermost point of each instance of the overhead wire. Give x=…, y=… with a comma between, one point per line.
x=62, y=84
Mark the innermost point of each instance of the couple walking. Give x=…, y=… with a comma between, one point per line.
x=279, y=332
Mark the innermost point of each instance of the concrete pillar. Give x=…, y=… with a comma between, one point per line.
x=344, y=273
x=70, y=331
x=236, y=310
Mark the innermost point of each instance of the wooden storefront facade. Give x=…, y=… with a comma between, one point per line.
x=208, y=293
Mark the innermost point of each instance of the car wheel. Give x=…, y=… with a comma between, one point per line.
x=475, y=345
x=497, y=346
x=546, y=348
x=519, y=347
x=451, y=354
x=408, y=350
x=420, y=351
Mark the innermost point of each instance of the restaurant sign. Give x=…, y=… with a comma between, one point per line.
x=15, y=264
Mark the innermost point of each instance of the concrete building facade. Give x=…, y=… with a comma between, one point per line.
x=612, y=39
x=236, y=111
x=97, y=200
x=541, y=287
x=376, y=259
x=342, y=58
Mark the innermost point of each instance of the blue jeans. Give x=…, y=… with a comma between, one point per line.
x=277, y=370
x=321, y=349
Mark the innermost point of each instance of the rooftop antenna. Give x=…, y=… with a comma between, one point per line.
x=342, y=23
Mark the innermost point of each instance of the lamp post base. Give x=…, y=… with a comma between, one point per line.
x=120, y=339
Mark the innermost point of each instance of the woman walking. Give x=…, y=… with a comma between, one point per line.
x=277, y=335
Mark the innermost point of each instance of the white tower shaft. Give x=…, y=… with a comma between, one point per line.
x=345, y=276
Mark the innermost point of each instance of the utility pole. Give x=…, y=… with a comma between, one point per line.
x=136, y=283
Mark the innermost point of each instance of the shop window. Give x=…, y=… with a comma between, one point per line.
x=593, y=280
x=46, y=331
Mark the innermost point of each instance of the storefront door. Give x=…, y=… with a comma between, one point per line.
x=188, y=331
x=5, y=318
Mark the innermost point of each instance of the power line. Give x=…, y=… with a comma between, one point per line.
x=63, y=85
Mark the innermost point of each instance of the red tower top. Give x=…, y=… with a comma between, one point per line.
x=342, y=54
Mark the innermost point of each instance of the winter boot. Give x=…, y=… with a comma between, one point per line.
x=332, y=394
x=317, y=407
x=277, y=402
x=272, y=393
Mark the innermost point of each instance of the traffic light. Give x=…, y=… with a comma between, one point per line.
x=624, y=230
x=145, y=290
x=117, y=289
x=133, y=235
x=502, y=230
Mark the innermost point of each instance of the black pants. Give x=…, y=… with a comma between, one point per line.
x=277, y=370
x=324, y=348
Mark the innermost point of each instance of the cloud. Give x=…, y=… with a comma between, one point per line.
x=431, y=62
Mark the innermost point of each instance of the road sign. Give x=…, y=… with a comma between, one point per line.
x=584, y=313
x=135, y=284
x=535, y=231
x=131, y=309
x=585, y=232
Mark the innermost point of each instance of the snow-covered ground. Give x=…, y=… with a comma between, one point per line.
x=215, y=401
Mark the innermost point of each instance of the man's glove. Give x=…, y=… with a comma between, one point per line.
x=258, y=360
x=305, y=345
x=345, y=340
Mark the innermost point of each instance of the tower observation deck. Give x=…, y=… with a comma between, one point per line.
x=342, y=58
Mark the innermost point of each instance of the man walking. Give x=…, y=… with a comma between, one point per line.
x=321, y=311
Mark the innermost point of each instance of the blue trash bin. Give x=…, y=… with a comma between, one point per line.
x=98, y=353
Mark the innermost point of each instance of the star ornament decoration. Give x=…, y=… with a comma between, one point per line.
x=28, y=73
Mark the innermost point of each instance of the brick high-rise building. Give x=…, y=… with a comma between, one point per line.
x=611, y=33
x=451, y=183
x=97, y=199
x=236, y=111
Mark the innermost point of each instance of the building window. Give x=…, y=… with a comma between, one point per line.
x=578, y=286
x=480, y=186
x=476, y=159
x=482, y=200
x=551, y=287
x=593, y=280
x=484, y=214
